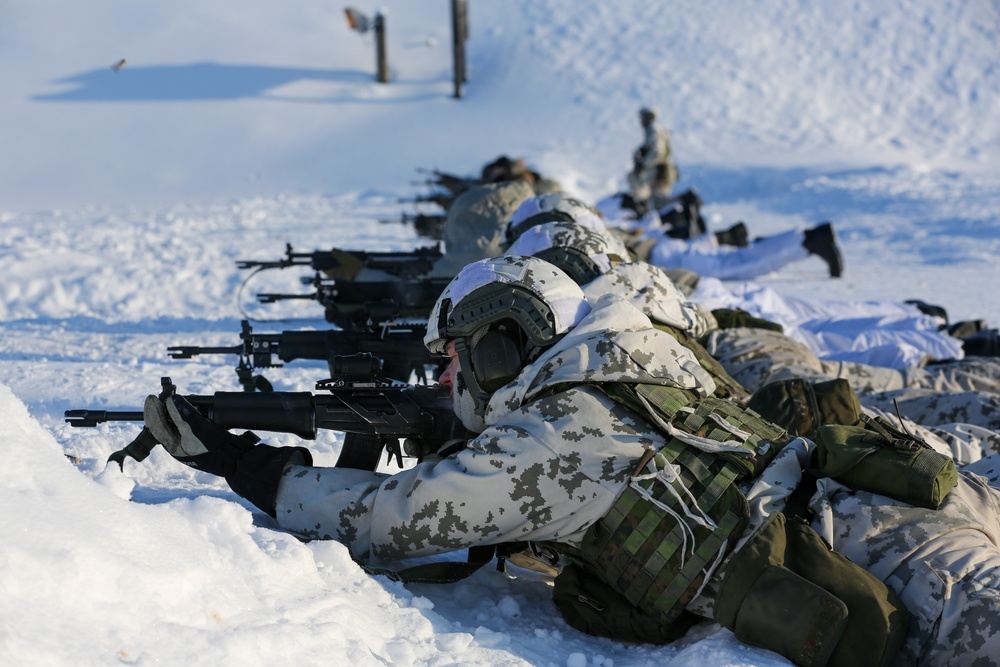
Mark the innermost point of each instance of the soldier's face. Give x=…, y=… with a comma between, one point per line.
x=447, y=378
x=463, y=403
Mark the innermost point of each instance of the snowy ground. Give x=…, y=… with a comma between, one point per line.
x=234, y=128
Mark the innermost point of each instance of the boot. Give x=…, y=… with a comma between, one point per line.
x=822, y=242
x=966, y=328
x=734, y=236
x=985, y=343
x=930, y=309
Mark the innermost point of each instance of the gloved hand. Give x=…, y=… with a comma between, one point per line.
x=191, y=438
x=253, y=471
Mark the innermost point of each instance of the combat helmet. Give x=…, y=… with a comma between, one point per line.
x=551, y=207
x=584, y=254
x=502, y=313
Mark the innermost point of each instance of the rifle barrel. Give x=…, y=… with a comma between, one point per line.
x=273, y=298
x=189, y=351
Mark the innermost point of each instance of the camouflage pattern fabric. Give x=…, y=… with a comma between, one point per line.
x=656, y=174
x=550, y=463
x=944, y=564
x=934, y=408
x=596, y=241
x=553, y=460
x=650, y=289
x=965, y=391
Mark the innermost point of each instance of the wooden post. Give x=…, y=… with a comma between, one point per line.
x=459, y=33
x=381, y=59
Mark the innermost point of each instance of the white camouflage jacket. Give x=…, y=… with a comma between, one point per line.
x=550, y=463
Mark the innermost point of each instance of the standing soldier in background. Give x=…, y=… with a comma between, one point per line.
x=653, y=172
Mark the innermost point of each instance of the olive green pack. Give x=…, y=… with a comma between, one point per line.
x=878, y=458
x=801, y=407
x=730, y=318
x=788, y=592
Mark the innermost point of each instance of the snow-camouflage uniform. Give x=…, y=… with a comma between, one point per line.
x=473, y=228
x=546, y=467
x=655, y=173
x=530, y=214
x=645, y=286
x=750, y=353
x=964, y=391
x=549, y=465
x=649, y=289
x=653, y=291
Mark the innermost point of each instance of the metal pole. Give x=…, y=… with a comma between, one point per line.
x=459, y=33
x=382, y=60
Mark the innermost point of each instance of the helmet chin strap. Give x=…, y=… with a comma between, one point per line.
x=480, y=397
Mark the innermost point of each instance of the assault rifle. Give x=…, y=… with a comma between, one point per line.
x=453, y=183
x=399, y=345
x=442, y=199
x=427, y=226
x=405, y=264
x=373, y=413
x=343, y=298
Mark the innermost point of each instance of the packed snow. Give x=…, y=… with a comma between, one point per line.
x=127, y=195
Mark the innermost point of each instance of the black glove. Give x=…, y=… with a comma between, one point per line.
x=253, y=471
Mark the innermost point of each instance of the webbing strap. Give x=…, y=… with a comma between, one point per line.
x=709, y=548
x=641, y=545
x=666, y=533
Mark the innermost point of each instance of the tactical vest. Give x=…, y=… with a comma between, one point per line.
x=680, y=515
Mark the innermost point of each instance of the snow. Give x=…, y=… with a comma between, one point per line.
x=233, y=128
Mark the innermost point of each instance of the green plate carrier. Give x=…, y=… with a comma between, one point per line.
x=683, y=510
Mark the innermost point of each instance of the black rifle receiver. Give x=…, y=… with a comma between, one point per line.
x=379, y=411
x=343, y=298
x=398, y=344
x=453, y=183
x=405, y=264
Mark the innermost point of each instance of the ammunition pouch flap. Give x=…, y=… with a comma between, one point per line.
x=592, y=606
x=788, y=592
